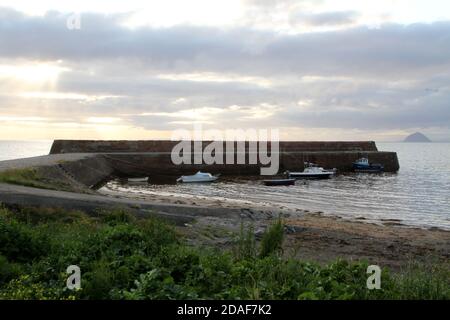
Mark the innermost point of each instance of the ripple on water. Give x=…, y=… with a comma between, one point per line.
x=418, y=195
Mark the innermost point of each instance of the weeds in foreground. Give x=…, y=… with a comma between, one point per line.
x=272, y=241
x=122, y=257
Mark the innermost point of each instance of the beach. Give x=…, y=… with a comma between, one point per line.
x=324, y=220
x=313, y=236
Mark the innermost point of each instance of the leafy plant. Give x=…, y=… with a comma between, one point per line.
x=245, y=243
x=124, y=257
x=272, y=241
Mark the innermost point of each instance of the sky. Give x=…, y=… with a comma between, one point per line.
x=314, y=69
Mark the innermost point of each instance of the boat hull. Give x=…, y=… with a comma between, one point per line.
x=188, y=180
x=372, y=168
x=137, y=180
x=279, y=182
x=311, y=175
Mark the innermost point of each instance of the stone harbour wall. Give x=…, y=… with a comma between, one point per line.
x=153, y=158
x=136, y=146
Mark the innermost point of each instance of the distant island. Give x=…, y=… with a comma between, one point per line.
x=417, y=137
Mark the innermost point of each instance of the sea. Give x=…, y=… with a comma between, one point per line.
x=418, y=195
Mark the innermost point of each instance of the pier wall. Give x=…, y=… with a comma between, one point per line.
x=153, y=158
x=88, y=164
x=136, y=146
x=160, y=163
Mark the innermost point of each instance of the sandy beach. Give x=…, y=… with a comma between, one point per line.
x=312, y=235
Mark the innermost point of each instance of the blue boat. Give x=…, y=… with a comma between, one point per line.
x=363, y=165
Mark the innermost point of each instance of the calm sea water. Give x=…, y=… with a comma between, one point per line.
x=23, y=149
x=418, y=195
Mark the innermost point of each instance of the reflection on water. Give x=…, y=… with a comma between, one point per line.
x=417, y=195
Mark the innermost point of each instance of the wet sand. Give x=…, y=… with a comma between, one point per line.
x=309, y=235
x=313, y=236
x=327, y=238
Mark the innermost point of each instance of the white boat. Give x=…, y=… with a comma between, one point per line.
x=312, y=171
x=198, y=177
x=138, y=180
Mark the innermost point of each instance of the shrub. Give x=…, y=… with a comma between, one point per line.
x=121, y=257
x=98, y=282
x=422, y=281
x=26, y=288
x=159, y=284
x=20, y=242
x=245, y=243
x=8, y=270
x=117, y=216
x=272, y=241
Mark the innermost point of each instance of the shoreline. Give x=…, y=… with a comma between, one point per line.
x=309, y=236
x=314, y=236
x=326, y=238
x=225, y=203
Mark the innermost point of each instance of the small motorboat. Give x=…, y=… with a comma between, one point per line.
x=198, y=177
x=138, y=180
x=312, y=171
x=279, y=182
x=363, y=165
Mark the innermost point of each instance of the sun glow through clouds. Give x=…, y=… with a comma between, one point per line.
x=152, y=65
x=38, y=73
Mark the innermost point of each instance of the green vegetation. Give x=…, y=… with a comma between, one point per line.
x=272, y=241
x=122, y=257
x=26, y=177
x=31, y=178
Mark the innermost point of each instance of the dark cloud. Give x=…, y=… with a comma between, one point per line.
x=392, y=77
x=393, y=50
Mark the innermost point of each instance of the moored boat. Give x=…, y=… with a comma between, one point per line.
x=312, y=171
x=198, y=177
x=138, y=180
x=279, y=182
x=363, y=165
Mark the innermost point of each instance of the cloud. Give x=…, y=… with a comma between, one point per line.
x=395, y=50
x=336, y=18
x=392, y=77
x=270, y=4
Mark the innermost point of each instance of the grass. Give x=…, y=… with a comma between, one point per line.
x=31, y=177
x=272, y=241
x=122, y=257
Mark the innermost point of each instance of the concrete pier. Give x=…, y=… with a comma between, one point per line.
x=145, y=146
x=91, y=163
x=153, y=158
